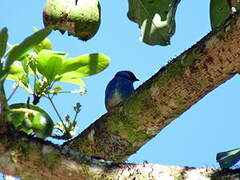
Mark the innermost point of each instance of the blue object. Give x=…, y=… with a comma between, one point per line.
x=119, y=88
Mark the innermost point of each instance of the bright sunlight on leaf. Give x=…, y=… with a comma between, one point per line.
x=27, y=44
x=54, y=67
x=86, y=65
x=156, y=19
x=35, y=57
x=49, y=63
x=3, y=41
x=45, y=44
x=16, y=72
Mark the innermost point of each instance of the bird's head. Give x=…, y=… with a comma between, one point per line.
x=128, y=75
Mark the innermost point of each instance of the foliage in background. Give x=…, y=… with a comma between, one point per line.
x=156, y=19
x=220, y=10
x=229, y=158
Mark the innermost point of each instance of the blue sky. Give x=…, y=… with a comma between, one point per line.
x=208, y=127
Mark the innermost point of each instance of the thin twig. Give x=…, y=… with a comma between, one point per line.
x=13, y=92
x=75, y=117
x=55, y=109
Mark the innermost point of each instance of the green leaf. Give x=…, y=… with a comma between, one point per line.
x=25, y=64
x=156, y=19
x=49, y=63
x=29, y=106
x=16, y=118
x=85, y=65
x=221, y=10
x=72, y=77
x=3, y=41
x=16, y=73
x=26, y=45
x=228, y=158
x=45, y=44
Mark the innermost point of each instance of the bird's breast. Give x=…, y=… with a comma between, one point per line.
x=115, y=99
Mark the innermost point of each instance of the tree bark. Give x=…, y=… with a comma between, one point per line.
x=31, y=158
x=4, y=125
x=164, y=97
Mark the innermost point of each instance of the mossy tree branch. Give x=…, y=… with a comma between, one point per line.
x=169, y=93
x=4, y=126
x=31, y=158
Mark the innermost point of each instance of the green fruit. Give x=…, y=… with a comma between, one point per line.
x=81, y=18
x=42, y=126
x=21, y=118
x=27, y=124
x=45, y=44
x=29, y=118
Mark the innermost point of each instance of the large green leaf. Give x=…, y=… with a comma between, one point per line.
x=85, y=65
x=72, y=77
x=156, y=19
x=3, y=41
x=220, y=10
x=27, y=44
x=228, y=158
x=45, y=44
x=16, y=72
x=49, y=63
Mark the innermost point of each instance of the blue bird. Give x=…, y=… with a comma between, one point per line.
x=119, y=88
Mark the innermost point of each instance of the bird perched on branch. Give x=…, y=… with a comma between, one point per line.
x=119, y=88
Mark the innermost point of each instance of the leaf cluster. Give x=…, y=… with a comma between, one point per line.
x=34, y=60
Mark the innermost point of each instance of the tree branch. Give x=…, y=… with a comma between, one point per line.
x=4, y=126
x=31, y=158
x=169, y=93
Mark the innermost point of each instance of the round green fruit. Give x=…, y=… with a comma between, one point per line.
x=30, y=118
x=80, y=18
x=42, y=126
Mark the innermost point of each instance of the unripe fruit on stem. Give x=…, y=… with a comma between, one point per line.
x=29, y=118
x=80, y=18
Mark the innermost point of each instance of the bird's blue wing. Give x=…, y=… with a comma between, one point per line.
x=117, y=90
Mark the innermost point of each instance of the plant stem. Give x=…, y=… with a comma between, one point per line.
x=13, y=92
x=9, y=45
x=55, y=109
x=59, y=92
x=75, y=117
